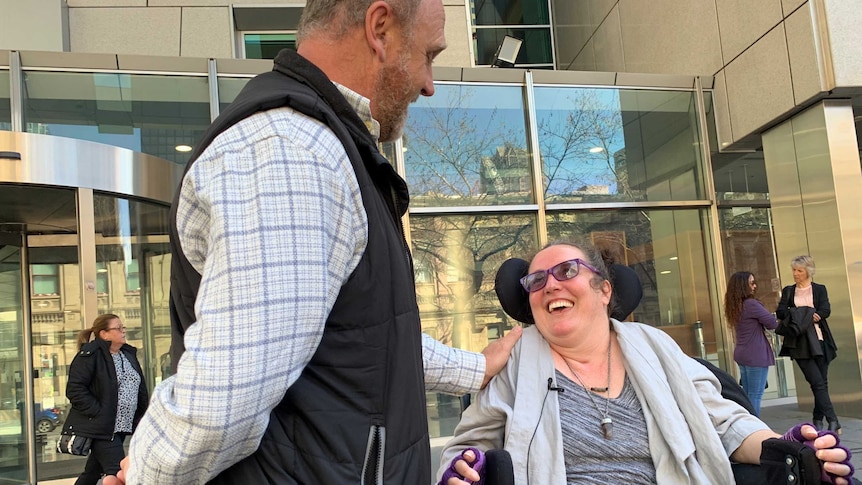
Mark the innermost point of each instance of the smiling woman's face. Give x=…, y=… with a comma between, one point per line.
x=563, y=309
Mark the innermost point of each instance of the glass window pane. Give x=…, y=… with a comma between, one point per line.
x=16, y=456
x=228, y=90
x=739, y=178
x=5, y=106
x=456, y=260
x=132, y=278
x=467, y=145
x=618, y=145
x=46, y=279
x=666, y=249
x=101, y=278
x=145, y=113
x=47, y=217
x=746, y=237
x=536, y=48
x=132, y=244
x=511, y=12
x=266, y=46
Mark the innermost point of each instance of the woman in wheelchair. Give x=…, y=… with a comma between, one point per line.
x=588, y=399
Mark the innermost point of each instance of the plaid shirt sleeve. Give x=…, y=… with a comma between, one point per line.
x=272, y=218
x=450, y=370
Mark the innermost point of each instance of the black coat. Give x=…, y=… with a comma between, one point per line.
x=803, y=343
x=93, y=391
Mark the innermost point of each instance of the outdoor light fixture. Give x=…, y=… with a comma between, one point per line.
x=183, y=148
x=507, y=52
x=596, y=150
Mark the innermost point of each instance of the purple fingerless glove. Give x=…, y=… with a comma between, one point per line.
x=478, y=465
x=795, y=434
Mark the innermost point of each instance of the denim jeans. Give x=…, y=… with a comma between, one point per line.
x=753, y=382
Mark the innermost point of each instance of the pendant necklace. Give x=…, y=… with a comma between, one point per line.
x=607, y=423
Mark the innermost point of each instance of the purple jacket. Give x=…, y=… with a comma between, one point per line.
x=752, y=347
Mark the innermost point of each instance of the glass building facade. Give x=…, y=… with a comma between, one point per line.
x=527, y=20
x=497, y=167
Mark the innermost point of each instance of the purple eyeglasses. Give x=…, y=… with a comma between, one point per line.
x=562, y=272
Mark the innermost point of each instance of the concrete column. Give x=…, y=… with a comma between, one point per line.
x=815, y=185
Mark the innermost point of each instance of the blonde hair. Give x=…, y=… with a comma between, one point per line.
x=102, y=322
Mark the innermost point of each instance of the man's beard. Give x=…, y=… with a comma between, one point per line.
x=393, y=95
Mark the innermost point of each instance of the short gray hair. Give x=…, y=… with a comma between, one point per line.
x=339, y=16
x=805, y=262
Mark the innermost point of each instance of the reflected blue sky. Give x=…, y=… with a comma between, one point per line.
x=581, y=139
x=594, y=142
x=448, y=134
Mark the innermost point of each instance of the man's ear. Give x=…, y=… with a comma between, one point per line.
x=380, y=21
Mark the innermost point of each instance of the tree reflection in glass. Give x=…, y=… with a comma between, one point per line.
x=467, y=145
x=456, y=258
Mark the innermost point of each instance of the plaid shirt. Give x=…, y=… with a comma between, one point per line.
x=272, y=218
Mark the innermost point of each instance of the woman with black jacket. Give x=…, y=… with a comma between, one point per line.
x=814, y=348
x=108, y=395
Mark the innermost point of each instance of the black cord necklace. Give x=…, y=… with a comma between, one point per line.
x=607, y=423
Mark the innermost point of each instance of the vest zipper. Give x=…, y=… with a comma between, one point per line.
x=396, y=211
x=372, y=469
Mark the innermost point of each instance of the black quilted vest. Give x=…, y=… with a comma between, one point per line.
x=357, y=413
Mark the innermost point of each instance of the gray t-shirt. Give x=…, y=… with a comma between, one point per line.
x=592, y=459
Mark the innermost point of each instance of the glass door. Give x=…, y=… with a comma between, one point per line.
x=133, y=276
x=14, y=453
x=40, y=316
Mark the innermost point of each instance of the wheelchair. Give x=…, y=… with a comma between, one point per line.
x=782, y=462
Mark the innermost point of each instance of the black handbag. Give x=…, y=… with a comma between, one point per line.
x=72, y=444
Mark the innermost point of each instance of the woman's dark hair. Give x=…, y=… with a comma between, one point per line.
x=737, y=292
x=102, y=322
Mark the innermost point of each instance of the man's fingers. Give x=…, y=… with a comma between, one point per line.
x=497, y=353
x=511, y=338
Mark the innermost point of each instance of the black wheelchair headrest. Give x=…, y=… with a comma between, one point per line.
x=515, y=300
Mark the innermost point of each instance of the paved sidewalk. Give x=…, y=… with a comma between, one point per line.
x=781, y=414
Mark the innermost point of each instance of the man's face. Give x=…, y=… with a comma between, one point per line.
x=408, y=73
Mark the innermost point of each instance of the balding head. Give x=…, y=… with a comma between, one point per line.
x=336, y=17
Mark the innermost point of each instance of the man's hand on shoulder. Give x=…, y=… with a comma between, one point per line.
x=497, y=353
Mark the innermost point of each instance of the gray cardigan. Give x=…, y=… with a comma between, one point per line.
x=681, y=401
